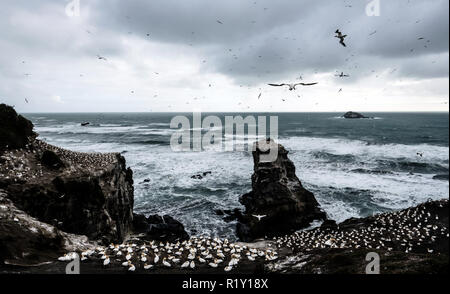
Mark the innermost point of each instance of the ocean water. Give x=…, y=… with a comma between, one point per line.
x=355, y=168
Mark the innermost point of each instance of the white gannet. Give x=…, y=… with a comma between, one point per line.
x=258, y=216
x=292, y=86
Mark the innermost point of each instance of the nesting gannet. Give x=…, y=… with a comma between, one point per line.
x=292, y=86
x=165, y=263
x=148, y=266
x=185, y=264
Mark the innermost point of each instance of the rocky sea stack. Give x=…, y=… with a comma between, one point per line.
x=277, y=196
x=352, y=114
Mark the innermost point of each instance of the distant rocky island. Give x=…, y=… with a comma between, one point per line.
x=57, y=204
x=352, y=115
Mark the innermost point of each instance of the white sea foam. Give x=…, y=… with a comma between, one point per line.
x=173, y=191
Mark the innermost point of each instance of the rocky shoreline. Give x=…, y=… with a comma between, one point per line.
x=55, y=202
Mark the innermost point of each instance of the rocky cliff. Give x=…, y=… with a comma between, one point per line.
x=27, y=242
x=87, y=194
x=278, y=203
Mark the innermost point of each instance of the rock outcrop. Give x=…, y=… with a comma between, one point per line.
x=278, y=203
x=94, y=200
x=89, y=194
x=79, y=193
x=15, y=130
x=352, y=114
x=160, y=228
x=27, y=242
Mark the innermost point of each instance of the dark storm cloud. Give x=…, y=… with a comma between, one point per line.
x=274, y=39
x=256, y=41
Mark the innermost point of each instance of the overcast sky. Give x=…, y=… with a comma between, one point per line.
x=205, y=55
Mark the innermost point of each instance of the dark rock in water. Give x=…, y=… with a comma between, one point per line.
x=219, y=212
x=201, y=176
x=161, y=228
x=84, y=124
x=329, y=224
x=278, y=197
x=352, y=114
x=51, y=160
x=15, y=130
x=441, y=177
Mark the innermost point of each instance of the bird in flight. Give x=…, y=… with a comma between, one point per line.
x=26, y=100
x=420, y=154
x=218, y=21
x=342, y=75
x=292, y=86
x=341, y=37
x=101, y=57
x=259, y=96
x=259, y=217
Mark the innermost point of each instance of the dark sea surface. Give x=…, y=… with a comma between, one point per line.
x=354, y=167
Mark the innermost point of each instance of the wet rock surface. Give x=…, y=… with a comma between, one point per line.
x=278, y=203
x=160, y=228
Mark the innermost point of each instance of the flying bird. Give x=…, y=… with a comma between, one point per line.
x=259, y=96
x=292, y=86
x=259, y=217
x=218, y=21
x=342, y=75
x=341, y=37
x=26, y=100
x=101, y=57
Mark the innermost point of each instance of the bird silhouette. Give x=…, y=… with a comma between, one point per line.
x=341, y=37
x=292, y=86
